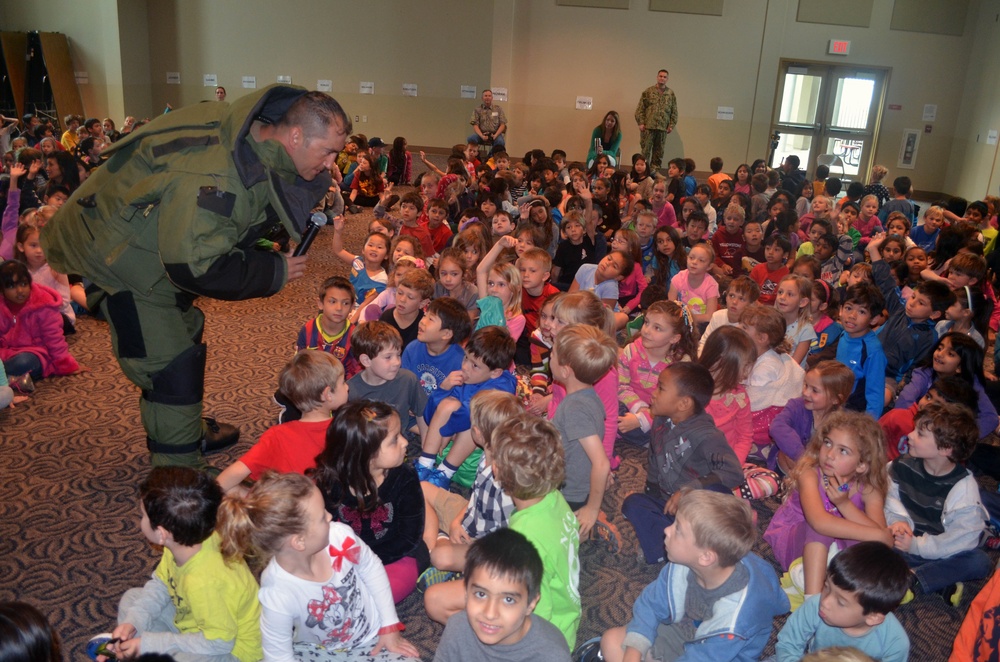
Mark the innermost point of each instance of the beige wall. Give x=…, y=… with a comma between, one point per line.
x=732, y=60
x=437, y=44
x=972, y=166
x=545, y=55
x=94, y=44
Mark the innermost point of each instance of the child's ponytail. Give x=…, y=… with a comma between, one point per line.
x=255, y=526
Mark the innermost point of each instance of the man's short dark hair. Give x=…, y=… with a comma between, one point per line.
x=693, y=379
x=182, y=500
x=877, y=573
x=91, y=121
x=793, y=160
x=314, y=113
x=494, y=346
x=507, y=554
x=454, y=317
x=867, y=295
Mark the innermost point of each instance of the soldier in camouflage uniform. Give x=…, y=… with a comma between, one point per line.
x=175, y=213
x=656, y=116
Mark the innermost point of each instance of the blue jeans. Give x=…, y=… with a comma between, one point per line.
x=936, y=574
x=22, y=363
x=635, y=437
x=498, y=141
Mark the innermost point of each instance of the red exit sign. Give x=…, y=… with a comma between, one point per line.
x=839, y=47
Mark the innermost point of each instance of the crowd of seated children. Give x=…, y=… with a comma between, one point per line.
x=829, y=324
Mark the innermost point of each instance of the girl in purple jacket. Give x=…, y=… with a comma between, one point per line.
x=825, y=389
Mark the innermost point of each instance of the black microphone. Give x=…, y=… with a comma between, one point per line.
x=316, y=221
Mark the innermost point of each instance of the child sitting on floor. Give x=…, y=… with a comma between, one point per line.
x=776, y=377
x=323, y=589
x=197, y=603
x=503, y=575
x=314, y=382
x=686, y=452
x=713, y=600
x=529, y=465
x=938, y=536
x=461, y=521
x=837, y=490
x=367, y=485
x=581, y=355
x=488, y=356
x=864, y=584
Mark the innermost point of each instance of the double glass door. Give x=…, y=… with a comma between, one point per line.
x=828, y=114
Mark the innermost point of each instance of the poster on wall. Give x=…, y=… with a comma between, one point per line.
x=908, y=149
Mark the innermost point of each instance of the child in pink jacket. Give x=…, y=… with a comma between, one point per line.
x=31, y=328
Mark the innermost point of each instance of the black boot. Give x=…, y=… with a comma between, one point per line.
x=218, y=436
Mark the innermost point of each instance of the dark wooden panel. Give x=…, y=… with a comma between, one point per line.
x=59, y=64
x=15, y=47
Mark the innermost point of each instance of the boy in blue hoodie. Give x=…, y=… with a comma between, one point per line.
x=908, y=334
x=488, y=357
x=714, y=600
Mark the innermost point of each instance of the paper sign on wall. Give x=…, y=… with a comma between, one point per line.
x=585, y=103
x=725, y=113
x=930, y=112
x=991, y=137
x=499, y=93
x=210, y=80
x=367, y=87
x=409, y=89
x=324, y=85
x=173, y=78
x=250, y=82
x=285, y=80
x=468, y=92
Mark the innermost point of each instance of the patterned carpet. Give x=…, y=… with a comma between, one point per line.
x=75, y=454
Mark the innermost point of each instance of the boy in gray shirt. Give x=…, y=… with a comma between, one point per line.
x=503, y=577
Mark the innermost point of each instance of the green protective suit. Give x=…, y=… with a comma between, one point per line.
x=174, y=214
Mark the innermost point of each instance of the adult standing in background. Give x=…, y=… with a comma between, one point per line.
x=656, y=116
x=489, y=122
x=606, y=138
x=220, y=93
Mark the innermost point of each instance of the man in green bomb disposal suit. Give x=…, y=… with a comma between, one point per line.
x=175, y=213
